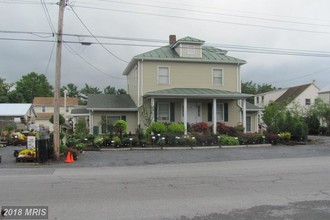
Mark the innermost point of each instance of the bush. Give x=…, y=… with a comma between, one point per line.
x=156, y=128
x=228, y=140
x=200, y=127
x=120, y=126
x=285, y=136
x=175, y=128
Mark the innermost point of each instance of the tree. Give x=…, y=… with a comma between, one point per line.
x=72, y=90
x=90, y=90
x=109, y=90
x=4, y=90
x=121, y=91
x=34, y=85
x=253, y=88
x=15, y=97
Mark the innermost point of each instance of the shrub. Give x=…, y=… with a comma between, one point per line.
x=202, y=139
x=222, y=128
x=156, y=128
x=200, y=127
x=271, y=138
x=175, y=128
x=228, y=140
x=98, y=141
x=285, y=136
x=120, y=126
x=81, y=146
x=116, y=140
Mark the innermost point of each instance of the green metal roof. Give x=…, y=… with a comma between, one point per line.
x=188, y=40
x=196, y=93
x=167, y=53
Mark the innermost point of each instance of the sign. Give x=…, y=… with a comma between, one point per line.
x=31, y=142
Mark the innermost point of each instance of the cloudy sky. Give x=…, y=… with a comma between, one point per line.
x=285, y=42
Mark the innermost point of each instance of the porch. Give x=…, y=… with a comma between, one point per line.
x=191, y=105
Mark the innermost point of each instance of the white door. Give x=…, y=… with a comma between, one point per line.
x=194, y=112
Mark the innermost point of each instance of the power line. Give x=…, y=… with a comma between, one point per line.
x=303, y=76
x=217, y=13
x=96, y=37
x=206, y=20
x=68, y=47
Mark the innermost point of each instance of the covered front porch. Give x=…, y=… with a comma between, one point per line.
x=191, y=105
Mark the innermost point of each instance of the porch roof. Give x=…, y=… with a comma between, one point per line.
x=196, y=93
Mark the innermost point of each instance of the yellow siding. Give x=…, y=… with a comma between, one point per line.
x=189, y=75
x=131, y=119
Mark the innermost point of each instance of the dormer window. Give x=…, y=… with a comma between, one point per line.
x=191, y=49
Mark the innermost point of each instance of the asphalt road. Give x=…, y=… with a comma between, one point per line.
x=318, y=147
x=282, y=188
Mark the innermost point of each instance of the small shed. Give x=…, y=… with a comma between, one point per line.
x=16, y=113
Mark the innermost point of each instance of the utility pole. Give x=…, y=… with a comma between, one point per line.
x=57, y=90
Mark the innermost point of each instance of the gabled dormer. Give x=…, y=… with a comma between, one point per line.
x=187, y=47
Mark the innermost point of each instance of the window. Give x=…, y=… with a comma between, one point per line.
x=163, y=110
x=307, y=101
x=163, y=75
x=220, y=112
x=67, y=109
x=262, y=99
x=257, y=101
x=248, y=123
x=43, y=108
x=109, y=120
x=217, y=77
x=191, y=49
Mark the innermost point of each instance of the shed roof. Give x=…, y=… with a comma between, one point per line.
x=15, y=109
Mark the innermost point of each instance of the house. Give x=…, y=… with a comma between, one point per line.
x=187, y=81
x=22, y=115
x=44, y=107
x=324, y=94
x=302, y=95
x=105, y=109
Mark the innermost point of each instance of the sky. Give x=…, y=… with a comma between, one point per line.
x=285, y=42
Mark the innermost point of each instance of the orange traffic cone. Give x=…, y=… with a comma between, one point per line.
x=69, y=158
x=72, y=160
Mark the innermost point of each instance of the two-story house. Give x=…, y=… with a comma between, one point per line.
x=302, y=95
x=44, y=107
x=187, y=82
x=184, y=81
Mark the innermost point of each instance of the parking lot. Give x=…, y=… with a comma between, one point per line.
x=317, y=147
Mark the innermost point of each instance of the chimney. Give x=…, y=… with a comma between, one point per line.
x=172, y=39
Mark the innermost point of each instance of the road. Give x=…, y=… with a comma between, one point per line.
x=280, y=188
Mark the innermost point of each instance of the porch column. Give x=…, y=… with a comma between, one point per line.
x=152, y=110
x=185, y=116
x=244, y=114
x=91, y=116
x=214, y=116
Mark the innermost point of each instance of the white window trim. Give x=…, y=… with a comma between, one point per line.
x=220, y=119
x=169, y=74
x=223, y=76
x=169, y=112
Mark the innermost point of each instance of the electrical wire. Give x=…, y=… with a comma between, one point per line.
x=114, y=55
x=68, y=47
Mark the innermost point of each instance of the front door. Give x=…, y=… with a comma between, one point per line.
x=194, y=112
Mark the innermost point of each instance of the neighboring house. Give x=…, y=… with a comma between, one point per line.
x=105, y=109
x=303, y=96
x=324, y=94
x=187, y=82
x=20, y=114
x=44, y=107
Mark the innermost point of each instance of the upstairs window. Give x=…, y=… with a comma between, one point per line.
x=163, y=75
x=191, y=49
x=307, y=101
x=43, y=108
x=217, y=77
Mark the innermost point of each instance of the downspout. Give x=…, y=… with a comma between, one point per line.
x=138, y=88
